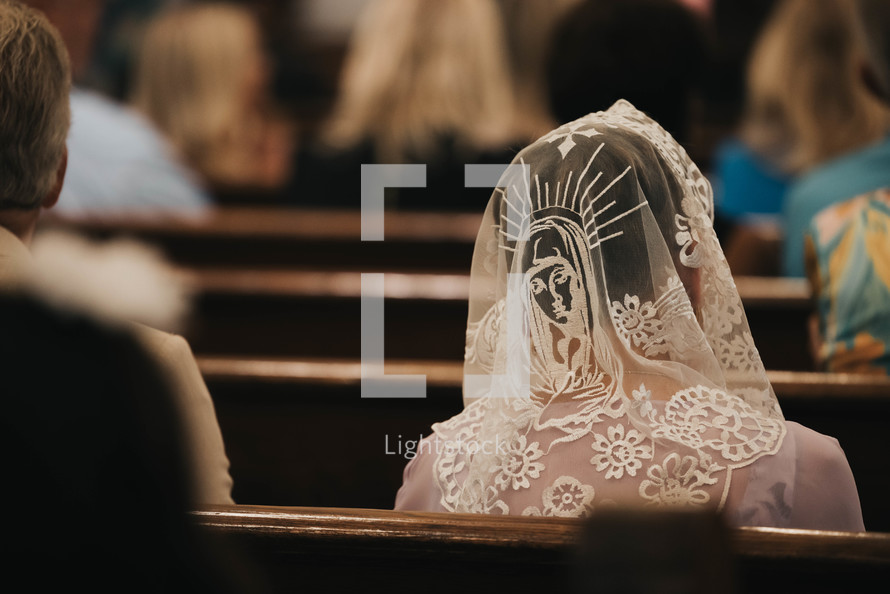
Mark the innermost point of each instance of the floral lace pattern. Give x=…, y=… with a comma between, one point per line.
x=642, y=401
x=663, y=326
x=567, y=497
x=705, y=418
x=619, y=453
x=519, y=465
x=633, y=375
x=678, y=481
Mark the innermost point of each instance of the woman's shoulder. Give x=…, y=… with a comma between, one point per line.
x=825, y=494
x=806, y=484
x=813, y=442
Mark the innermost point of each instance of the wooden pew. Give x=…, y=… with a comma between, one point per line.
x=325, y=239
x=778, y=311
x=318, y=314
x=270, y=312
x=298, y=432
x=257, y=248
x=325, y=549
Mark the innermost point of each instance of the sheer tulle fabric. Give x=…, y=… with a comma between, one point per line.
x=608, y=357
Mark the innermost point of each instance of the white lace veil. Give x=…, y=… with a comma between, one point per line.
x=608, y=357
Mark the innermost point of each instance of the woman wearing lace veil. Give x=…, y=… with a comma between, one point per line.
x=609, y=360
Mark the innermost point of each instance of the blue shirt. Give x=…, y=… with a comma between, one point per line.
x=119, y=164
x=746, y=186
x=845, y=177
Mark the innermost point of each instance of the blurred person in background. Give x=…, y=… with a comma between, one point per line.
x=812, y=115
x=806, y=105
x=529, y=27
x=423, y=82
x=734, y=27
x=118, y=163
x=120, y=30
x=203, y=79
x=847, y=246
x=649, y=52
x=750, y=185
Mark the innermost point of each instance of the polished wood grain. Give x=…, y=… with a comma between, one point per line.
x=238, y=222
x=259, y=312
x=755, y=292
x=275, y=236
x=331, y=284
x=448, y=374
x=442, y=530
x=406, y=551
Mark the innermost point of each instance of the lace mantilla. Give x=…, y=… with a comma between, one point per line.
x=617, y=361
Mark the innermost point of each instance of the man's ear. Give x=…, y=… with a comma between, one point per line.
x=53, y=195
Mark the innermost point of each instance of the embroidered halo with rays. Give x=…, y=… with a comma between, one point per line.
x=584, y=198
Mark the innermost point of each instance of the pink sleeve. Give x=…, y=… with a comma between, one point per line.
x=419, y=491
x=825, y=495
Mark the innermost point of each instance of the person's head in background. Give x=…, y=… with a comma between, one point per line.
x=35, y=79
x=734, y=27
x=650, y=52
x=419, y=71
x=528, y=28
x=202, y=77
x=808, y=101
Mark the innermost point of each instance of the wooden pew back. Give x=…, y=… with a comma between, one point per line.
x=233, y=249
x=270, y=312
x=323, y=239
x=298, y=432
x=373, y=550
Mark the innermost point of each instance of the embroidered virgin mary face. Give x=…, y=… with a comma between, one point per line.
x=557, y=275
x=554, y=284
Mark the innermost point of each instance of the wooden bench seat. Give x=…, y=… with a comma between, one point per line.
x=257, y=239
x=270, y=236
x=277, y=414
x=272, y=313
x=267, y=312
x=375, y=550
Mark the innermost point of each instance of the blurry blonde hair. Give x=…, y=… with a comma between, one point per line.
x=197, y=70
x=807, y=101
x=417, y=70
